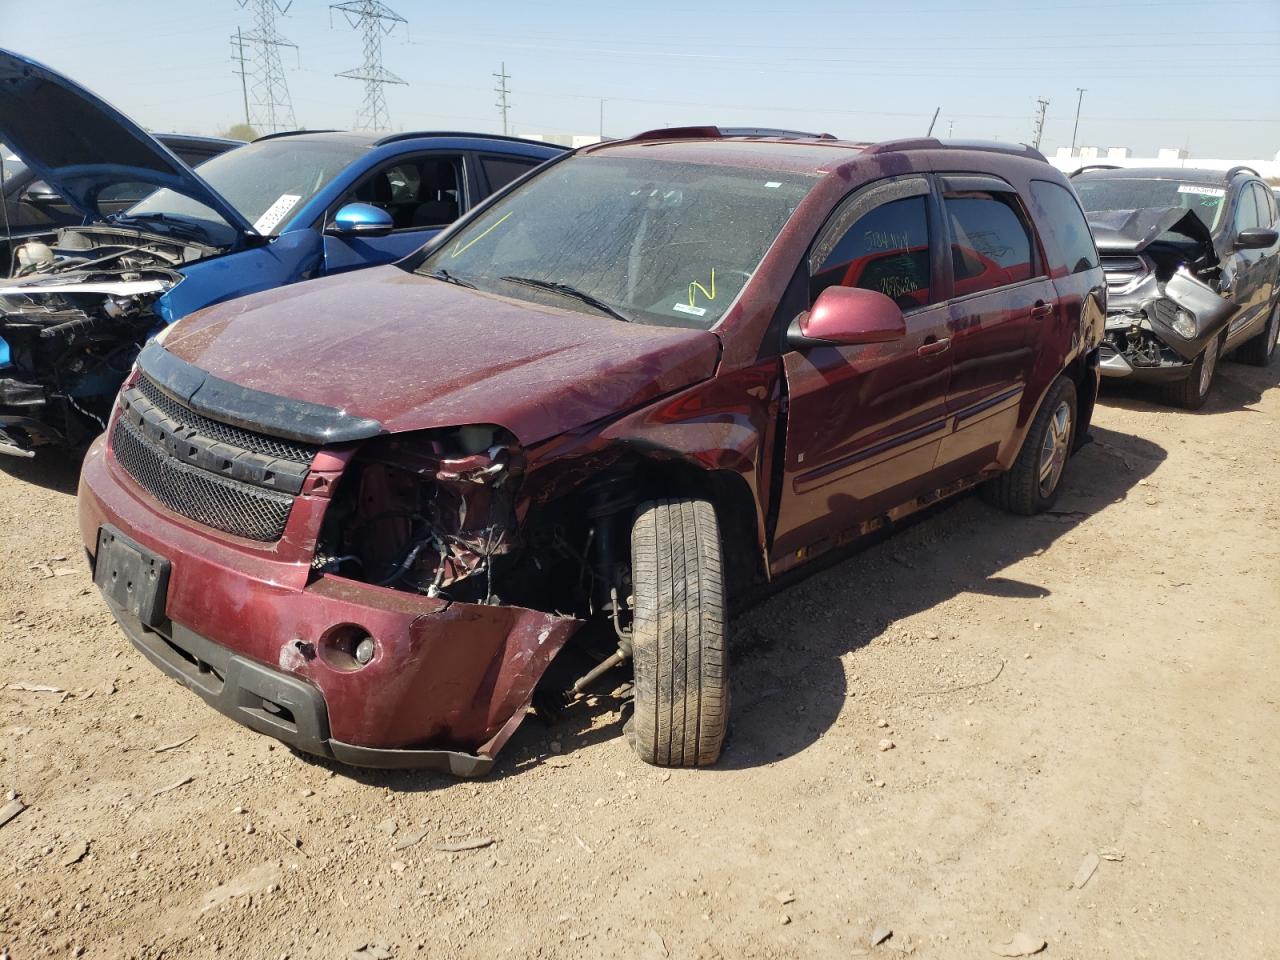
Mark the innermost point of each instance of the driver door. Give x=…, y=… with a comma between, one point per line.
x=864, y=423
x=423, y=194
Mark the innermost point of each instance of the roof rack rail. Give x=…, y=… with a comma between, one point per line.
x=290, y=133
x=1242, y=169
x=933, y=143
x=712, y=132
x=1095, y=166
x=415, y=134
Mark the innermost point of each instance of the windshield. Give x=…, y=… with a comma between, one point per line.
x=1125, y=193
x=659, y=242
x=264, y=181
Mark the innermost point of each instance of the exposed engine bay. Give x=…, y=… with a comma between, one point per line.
x=446, y=514
x=73, y=318
x=1163, y=283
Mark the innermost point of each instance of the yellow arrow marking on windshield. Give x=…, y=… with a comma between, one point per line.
x=695, y=286
x=457, y=251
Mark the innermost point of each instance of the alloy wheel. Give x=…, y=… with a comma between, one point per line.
x=1207, y=366
x=1053, y=452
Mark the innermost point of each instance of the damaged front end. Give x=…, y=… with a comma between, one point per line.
x=1163, y=305
x=72, y=320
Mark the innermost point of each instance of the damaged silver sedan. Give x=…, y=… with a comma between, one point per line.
x=1192, y=259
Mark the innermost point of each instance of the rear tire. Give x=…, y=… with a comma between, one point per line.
x=1031, y=485
x=678, y=634
x=1191, y=392
x=1260, y=349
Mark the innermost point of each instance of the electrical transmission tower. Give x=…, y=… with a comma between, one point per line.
x=374, y=20
x=1039, y=131
x=268, y=107
x=502, y=90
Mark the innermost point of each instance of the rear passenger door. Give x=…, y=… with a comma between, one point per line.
x=423, y=193
x=1001, y=301
x=864, y=422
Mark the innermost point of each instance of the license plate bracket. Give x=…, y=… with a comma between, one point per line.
x=132, y=578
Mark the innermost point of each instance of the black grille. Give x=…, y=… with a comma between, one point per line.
x=225, y=432
x=237, y=508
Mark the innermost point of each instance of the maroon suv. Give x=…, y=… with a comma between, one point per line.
x=364, y=514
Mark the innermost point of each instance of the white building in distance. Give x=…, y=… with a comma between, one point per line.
x=1068, y=160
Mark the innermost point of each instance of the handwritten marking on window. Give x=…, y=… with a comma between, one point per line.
x=458, y=251
x=885, y=240
x=695, y=286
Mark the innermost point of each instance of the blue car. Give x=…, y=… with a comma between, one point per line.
x=81, y=302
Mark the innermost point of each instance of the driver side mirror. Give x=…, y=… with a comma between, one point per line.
x=1256, y=238
x=41, y=193
x=847, y=316
x=360, y=220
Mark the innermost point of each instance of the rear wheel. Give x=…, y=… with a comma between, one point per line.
x=678, y=634
x=1191, y=392
x=1031, y=485
x=1260, y=349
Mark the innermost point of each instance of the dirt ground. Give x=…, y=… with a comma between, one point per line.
x=1100, y=681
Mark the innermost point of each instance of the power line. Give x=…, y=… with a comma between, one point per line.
x=374, y=20
x=272, y=107
x=501, y=90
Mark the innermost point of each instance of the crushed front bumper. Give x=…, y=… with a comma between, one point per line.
x=448, y=685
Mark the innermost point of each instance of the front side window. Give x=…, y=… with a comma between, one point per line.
x=418, y=193
x=656, y=241
x=1266, y=212
x=1135, y=193
x=886, y=250
x=1062, y=224
x=990, y=241
x=1246, y=210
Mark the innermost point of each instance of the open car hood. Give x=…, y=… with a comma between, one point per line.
x=404, y=352
x=80, y=145
x=1132, y=231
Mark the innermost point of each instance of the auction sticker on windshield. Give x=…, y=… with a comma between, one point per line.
x=276, y=212
x=1201, y=191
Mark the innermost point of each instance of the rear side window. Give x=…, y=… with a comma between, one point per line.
x=502, y=170
x=886, y=250
x=1062, y=225
x=990, y=241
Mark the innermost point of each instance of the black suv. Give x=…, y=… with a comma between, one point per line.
x=1192, y=259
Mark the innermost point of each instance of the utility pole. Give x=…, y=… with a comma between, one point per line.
x=238, y=57
x=929, y=132
x=501, y=90
x=951, y=125
x=602, y=119
x=272, y=106
x=375, y=20
x=1039, y=131
x=1076, y=128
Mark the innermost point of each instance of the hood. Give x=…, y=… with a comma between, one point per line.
x=79, y=144
x=1132, y=231
x=414, y=353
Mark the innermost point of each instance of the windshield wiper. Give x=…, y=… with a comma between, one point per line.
x=174, y=223
x=572, y=292
x=447, y=277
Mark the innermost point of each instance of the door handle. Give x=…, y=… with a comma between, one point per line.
x=934, y=347
x=1041, y=311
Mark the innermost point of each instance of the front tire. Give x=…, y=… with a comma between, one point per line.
x=1031, y=485
x=678, y=634
x=1191, y=392
x=1260, y=349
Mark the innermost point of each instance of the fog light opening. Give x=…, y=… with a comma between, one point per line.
x=347, y=646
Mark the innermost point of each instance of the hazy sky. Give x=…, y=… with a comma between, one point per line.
x=1201, y=75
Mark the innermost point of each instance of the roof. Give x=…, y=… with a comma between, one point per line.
x=368, y=139
x=1189, y=174
x=812, y=156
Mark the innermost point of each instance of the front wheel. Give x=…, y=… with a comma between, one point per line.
x=678, y=634
x=1191, y=392
x=1031, y=485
